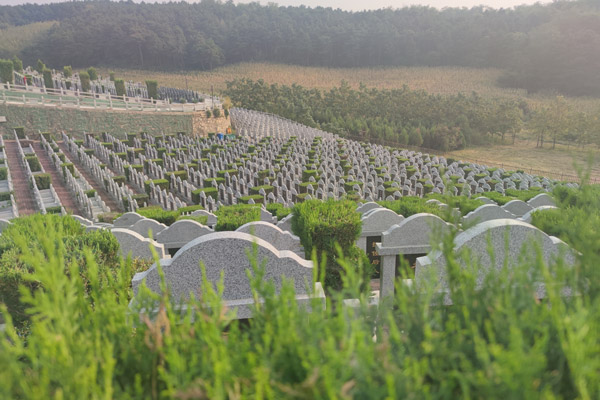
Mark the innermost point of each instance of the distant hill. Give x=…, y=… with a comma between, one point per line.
x=554, y=46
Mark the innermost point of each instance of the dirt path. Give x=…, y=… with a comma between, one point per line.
x=22, y=192
x=99, y=187
x=66, y=197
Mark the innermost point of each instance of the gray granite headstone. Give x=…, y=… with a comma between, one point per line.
x=82, y=221
x=127, y=219
x=211, y=218
x=180, y=233
x=227, y=253
x=508, y=239
x=486, y=212
x=363, y=208
x=517, y=207
x=134, y=244
x=280, y=239
x=411, y=236
x=144, y=226
x=542, y=199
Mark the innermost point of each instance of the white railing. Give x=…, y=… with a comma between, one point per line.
x=33, y=95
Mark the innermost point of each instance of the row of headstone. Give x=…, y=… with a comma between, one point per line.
x=8, y=208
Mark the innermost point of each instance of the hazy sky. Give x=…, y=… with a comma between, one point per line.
x=354, y=4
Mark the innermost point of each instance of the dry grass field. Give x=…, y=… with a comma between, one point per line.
x=439, y=80
x=555, y=163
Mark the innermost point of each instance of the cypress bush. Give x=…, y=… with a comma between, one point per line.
x=84, y=77
x=48, y=82
x=321, y=226
x=6, y=71
x=152, y=89
x=120, y=87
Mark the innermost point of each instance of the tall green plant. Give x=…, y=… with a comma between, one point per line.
x=6, y=71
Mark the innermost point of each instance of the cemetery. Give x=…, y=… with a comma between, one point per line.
x=239, y=225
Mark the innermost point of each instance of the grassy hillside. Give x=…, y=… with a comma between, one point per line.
x=16, y=38
x=439, y=80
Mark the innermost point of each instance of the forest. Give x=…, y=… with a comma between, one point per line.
x=552, y=47
x=417, y=118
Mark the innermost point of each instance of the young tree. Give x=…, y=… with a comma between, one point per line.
x=67, y=71
x=120, y=87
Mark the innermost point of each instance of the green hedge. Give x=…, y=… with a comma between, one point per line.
x=34, y=163
x=229, y=218
x=5, y=196
x=54, y=210
x=257, y=198
x=323, y=225
x=267, y=188
x=410, y=205
x=307, y=173
x=180, y=174
x=43, y=181
x=3, y=173
x=278, y=210
x=231, y=172
x=90, y=193
x=20, y=132
x=208, y=191
x=162, y=183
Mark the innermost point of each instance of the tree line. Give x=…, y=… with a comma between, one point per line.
x=417, y=118
x=554, y=46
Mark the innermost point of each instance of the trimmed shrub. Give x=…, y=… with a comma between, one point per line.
x=229, y=218
x=323, y=225
x=5, y=196
x=20, y=132
x=120, y=87
x=3, y=173
x=307, y=173
x=152, y=87
x=34, y=163
x=257, y=198
x=54, y=210
x=162, y=183
x=90, y=193
x=68, y=166
x=48, y=82
x=278, y=210
x=267, y=188
x=6, y=71
x=410, y=205
x=180, y=174
x=208, y=181
x=67, y=71
x=231, y=172
x=158, y=214
x=42, y=181
x=208, y=191
x=84, y=77
x=119, y=179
